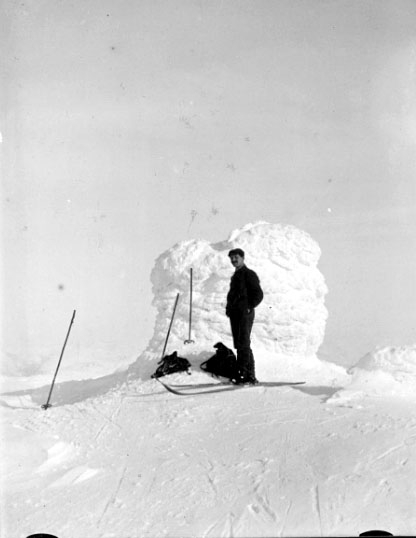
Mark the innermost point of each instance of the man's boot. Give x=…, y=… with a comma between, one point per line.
x=245, y=361
x=251, y=373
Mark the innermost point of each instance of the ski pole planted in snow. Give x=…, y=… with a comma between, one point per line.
x=45, y=406
x=189, y=341
x=170, y=326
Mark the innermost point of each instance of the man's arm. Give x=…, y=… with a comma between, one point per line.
x=254, y=291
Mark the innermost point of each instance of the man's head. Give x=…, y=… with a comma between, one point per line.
x=236, y=256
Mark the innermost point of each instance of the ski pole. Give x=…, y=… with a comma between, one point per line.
x=45, y=406
x=189, y=341
x=170, y=326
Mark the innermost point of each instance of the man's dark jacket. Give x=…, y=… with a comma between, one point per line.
x=245, y=292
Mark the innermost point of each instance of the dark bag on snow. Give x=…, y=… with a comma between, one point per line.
x=170, y=364
x=223, y=363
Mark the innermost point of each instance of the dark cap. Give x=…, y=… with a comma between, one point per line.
x=236, y=251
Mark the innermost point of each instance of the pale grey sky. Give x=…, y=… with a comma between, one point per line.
x=131, y=125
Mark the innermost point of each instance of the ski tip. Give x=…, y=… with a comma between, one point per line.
x=170, y=389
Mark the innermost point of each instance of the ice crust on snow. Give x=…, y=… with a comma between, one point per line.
x=291, y=319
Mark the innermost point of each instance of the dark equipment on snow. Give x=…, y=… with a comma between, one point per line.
x=190, y=341
x=223, y=363
x=45, y=406
x=170, y=326
x=171, y=364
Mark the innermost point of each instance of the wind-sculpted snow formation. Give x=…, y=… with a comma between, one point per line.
x=291, y=319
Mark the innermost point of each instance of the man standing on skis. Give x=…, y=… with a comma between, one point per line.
x=244, y=295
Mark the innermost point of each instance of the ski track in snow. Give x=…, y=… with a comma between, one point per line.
x=113, y=496
x=317, y=508
x=276, y=462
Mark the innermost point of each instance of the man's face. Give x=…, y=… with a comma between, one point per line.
x=237, y=261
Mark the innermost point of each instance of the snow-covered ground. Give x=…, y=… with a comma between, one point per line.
x=273, y=460
x=119, y=456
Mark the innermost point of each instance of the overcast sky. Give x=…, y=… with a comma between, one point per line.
x=131, y=125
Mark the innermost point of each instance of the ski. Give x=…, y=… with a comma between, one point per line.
x=225, y=387
x=170, y=389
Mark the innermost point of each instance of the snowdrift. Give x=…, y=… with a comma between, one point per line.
x=388, y=371
x=290, y=322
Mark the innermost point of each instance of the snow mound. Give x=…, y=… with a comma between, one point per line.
x=290, y=321
x=388, y=371
x=57, y=455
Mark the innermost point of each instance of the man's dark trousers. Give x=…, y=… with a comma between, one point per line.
x=241, y=325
